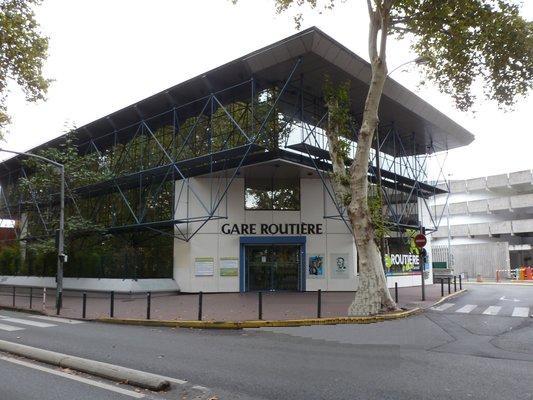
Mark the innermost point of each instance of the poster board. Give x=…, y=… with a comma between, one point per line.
x=340, y=265
x=229, y=266
x=316, y=266
x=204, y=266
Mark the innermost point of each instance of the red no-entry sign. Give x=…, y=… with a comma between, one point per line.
x=420, y=240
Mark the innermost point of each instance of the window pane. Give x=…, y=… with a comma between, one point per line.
x=258, y=194
x=272, y=194
x=286, y=194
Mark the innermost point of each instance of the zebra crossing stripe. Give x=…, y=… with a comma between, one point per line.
x=466, y=309
x=56, y=319
x=26, y=322
x=492, y=310
x=443, y=307
x=521, y=312
x=10, y=328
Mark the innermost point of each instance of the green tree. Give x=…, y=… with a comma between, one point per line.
x=461, y=41
x=23, y=50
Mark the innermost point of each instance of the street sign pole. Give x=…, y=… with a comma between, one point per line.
x=420, y=242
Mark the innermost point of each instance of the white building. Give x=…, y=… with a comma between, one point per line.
x=230, y=172
x=493, y=213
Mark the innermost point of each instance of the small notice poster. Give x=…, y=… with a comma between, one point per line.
x=204, y=266
x=229, y=266
x=315, y=267
x=340, y=266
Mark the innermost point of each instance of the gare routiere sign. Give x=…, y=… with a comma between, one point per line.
x=402, y=257
x=301, y=228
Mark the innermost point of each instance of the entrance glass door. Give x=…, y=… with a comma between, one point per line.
x=272, y=267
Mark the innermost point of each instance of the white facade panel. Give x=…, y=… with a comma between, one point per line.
x=213, y=243
x=497, y=181
x=477, y=206
x=522, y=201
x=459, y=208
x=523, y=226
x=501, y=227
x=521, y=177
x=476, y=184
x=479, y=229
x=499, y=204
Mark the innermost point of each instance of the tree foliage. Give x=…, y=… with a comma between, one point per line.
x=460, y=41
x=23, y=50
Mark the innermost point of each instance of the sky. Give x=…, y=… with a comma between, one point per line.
x=107, y=54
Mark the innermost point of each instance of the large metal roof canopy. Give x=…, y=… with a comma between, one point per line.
x=320, y=56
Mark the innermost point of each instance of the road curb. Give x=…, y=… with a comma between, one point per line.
x=261, y=323
x=109, y=371
x=447, y=297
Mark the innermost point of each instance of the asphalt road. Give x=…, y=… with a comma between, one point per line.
x=441, y=354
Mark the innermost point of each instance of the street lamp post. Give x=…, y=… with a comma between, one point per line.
x=61, y=234
x=418, y=61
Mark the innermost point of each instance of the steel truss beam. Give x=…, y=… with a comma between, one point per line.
x=162, y=165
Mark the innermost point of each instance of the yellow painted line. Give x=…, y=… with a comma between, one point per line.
x=261, y=323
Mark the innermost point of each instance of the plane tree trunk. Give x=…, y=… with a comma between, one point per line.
x=351, y=186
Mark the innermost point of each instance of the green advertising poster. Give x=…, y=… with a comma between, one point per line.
x=402, y=257
x=229, y=266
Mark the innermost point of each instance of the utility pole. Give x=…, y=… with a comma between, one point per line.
x=61, y=256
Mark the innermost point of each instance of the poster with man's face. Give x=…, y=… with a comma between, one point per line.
x=315, y=266
x=340, y=265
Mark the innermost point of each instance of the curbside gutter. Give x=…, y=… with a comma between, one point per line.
x=24, y=310
x=109, y=371
x=261, y=323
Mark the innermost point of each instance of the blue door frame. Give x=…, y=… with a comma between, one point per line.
x=298, y=240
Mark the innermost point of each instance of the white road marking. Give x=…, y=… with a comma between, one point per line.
x=443, y=307
x=98, y=384
x=26, y=322
x=492, y=310
x=521, y=312
x=57, y=319
x=10, y=328
x=504, y=299
x=201, y=388
x=466, y=309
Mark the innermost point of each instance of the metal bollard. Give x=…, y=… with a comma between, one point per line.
x=441, y=287
x=460, y=282
x=44, y=299
x=14, y=289
x=84, y=306
x=31, y=297
x=112, y=305
x=200, y=301
x=396, y=292
x=59, y=303
x=260, y=305
x=449, y=285
x=148, y=304
x=455, y=283
x=319, y=304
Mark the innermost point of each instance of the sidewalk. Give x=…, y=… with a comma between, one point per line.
x=215, y=307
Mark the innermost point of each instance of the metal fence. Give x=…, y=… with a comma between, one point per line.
x=196, y=306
